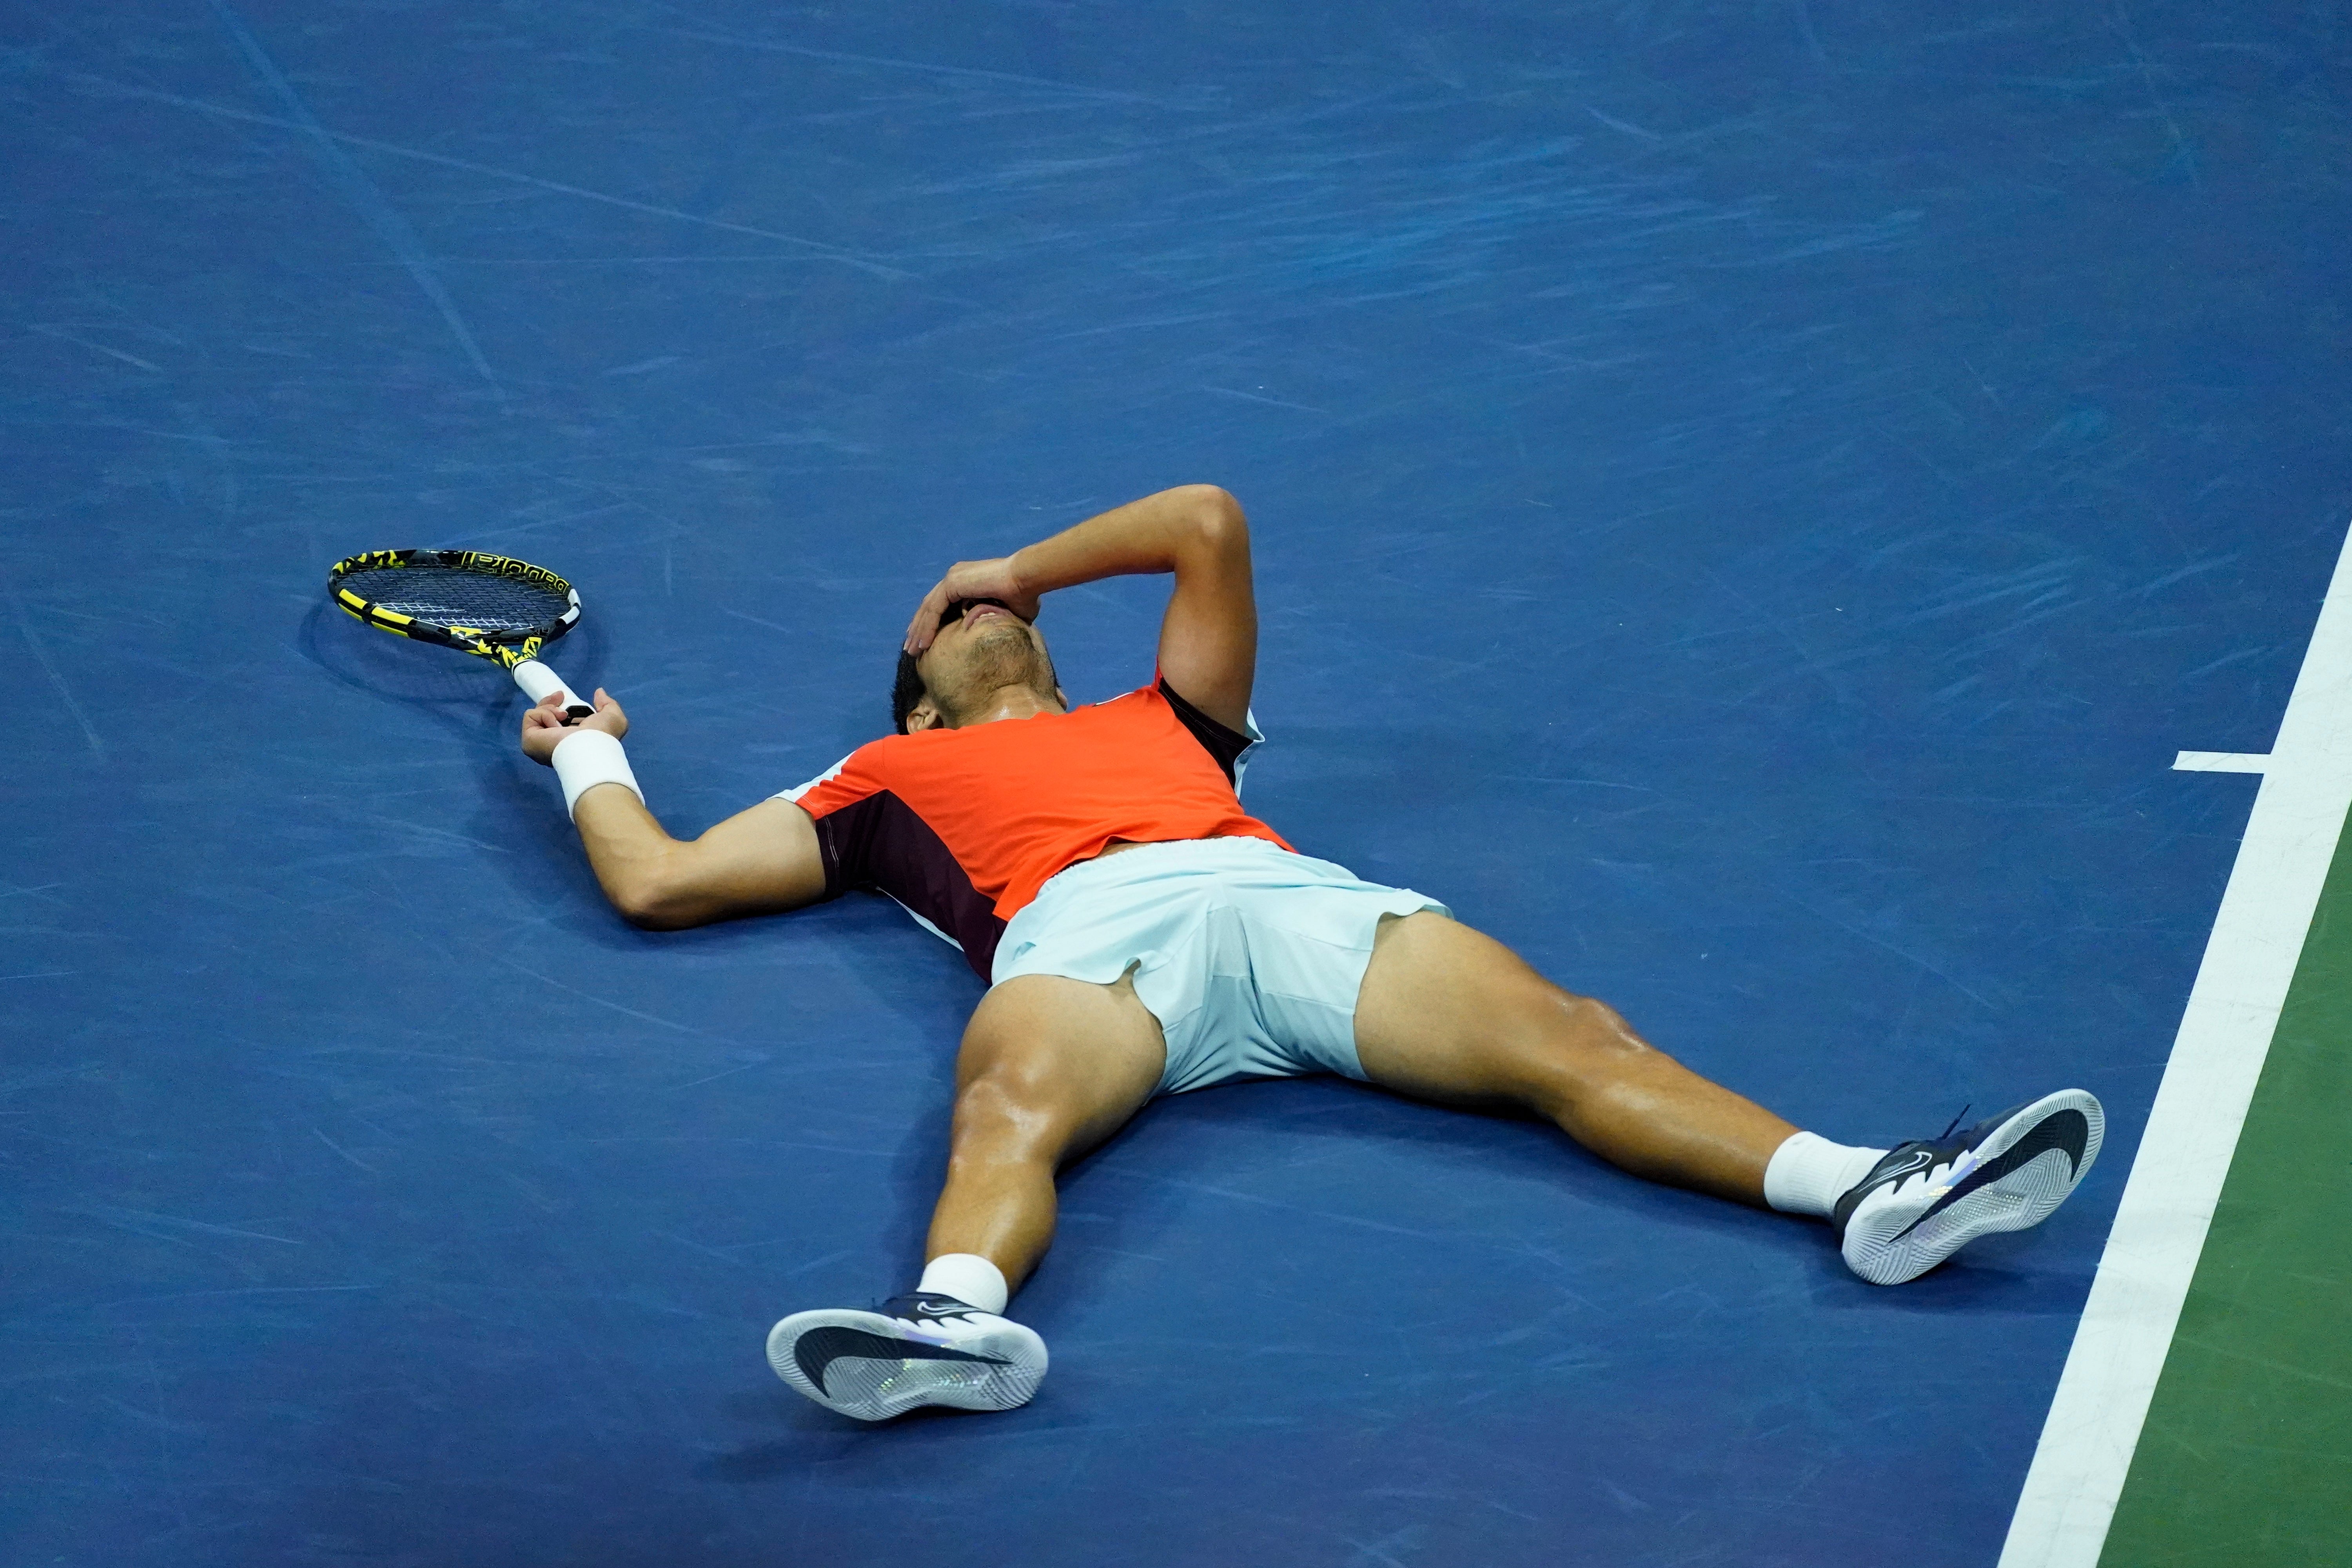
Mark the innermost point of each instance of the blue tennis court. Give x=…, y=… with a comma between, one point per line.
x=1749, y=501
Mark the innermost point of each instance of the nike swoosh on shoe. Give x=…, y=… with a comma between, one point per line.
x=820, y=1348
x=2067, y=1131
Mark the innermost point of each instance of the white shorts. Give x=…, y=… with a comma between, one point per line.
x=1249, y=955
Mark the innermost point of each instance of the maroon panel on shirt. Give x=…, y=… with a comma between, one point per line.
x=880, y=842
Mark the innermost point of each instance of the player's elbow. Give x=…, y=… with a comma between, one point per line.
x=649, y=915
x=643, y=908
x=653, y=898
x=1219, y=517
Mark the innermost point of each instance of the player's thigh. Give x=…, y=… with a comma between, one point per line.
x=1450, y=1015
x=1052, y=1066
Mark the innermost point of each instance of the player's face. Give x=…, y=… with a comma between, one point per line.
x=972, y=623
x=967, y=611
x=982, y=647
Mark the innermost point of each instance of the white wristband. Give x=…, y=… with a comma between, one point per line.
x=586, y=758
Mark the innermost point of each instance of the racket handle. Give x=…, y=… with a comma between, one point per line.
x=541, y=683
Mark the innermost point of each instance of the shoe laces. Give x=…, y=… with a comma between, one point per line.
x=1953, y=1163
x=1942, y=1167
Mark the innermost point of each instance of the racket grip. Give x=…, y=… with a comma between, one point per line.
x=541, y=683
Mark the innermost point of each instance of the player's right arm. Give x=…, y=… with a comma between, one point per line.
x=756, y=862
x=1208, y=638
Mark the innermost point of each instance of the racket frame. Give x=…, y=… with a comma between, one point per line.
x=517, y=652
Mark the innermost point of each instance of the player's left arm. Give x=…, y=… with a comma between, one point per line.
x=758, y=861
x=1208, y=640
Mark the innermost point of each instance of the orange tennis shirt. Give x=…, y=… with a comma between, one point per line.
x=963, y=827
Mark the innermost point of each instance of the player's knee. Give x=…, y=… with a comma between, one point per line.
x=1584, y=1046
x=1598, y=1025
x=1007, y=1111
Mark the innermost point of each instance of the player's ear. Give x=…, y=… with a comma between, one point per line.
x=922, y=716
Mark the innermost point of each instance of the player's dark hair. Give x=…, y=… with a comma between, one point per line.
x=905, y=692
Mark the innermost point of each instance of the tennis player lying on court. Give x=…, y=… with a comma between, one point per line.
x=1144, y=935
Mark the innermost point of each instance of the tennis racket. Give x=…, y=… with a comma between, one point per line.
x=493, y=607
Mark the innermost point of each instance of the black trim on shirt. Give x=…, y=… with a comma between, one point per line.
x=1224, y=744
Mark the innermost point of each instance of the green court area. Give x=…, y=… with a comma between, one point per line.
x=2246, y=1458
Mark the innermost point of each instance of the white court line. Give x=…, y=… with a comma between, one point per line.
x=2225, y=1032
x=2214, y=761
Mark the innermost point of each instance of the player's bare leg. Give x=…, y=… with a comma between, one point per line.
x=1448, y=1015
x=1050, y=1068
x=1452, y=1016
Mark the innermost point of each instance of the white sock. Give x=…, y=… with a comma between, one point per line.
x=1809, y=1173
x=969, y=1278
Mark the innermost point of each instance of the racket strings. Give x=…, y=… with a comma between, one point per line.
x=453, y=597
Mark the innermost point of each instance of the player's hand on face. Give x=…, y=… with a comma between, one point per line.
x=545, y=725
x=969, y=580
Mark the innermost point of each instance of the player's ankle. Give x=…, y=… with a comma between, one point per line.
x=969, y=1278
x=1808, y=1173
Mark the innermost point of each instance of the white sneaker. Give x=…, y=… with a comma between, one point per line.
x=2006, y=1173
x=917, y=1349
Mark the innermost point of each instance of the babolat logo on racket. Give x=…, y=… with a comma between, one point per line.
x=508, y=566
